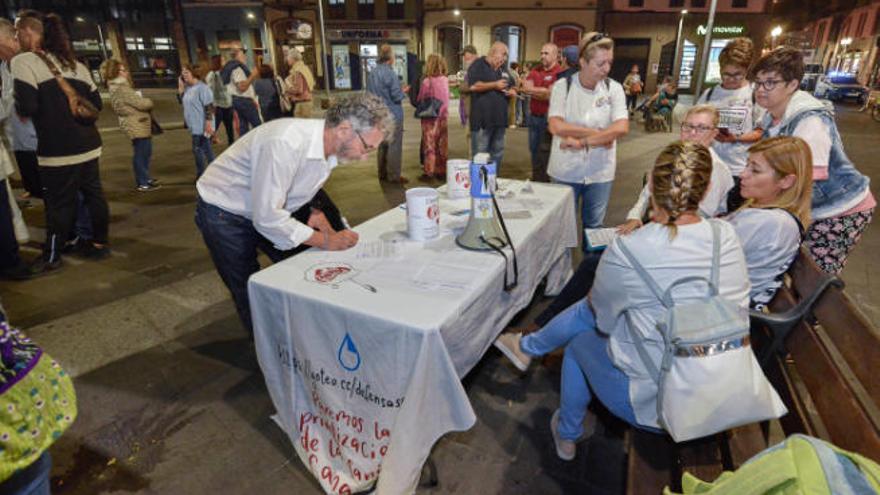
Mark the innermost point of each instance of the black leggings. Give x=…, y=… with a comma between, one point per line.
x=575, y=290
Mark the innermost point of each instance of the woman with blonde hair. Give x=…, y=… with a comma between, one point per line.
x=299, y=84
x=133, y=111
x=776, y=185
x=435, y=135
x=601, y=356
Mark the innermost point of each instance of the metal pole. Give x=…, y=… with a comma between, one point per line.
x=101, y=38
x=707, y=48
x=676, y=62
x=324, y=49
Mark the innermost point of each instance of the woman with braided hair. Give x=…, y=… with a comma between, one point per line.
x=600, y=356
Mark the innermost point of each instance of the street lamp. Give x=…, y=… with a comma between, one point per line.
x=774, y=33
x=845, y=42
x=676, y=63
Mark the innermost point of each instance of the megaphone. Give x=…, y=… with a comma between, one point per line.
x=485, y=229
x=483, y=222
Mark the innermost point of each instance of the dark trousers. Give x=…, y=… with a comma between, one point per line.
x=226, y=116
x=202, y=152
x=540, y=143
x=575, y=290
x=61, y=185
x=631, y=102
x=233, y=242
x=8, y=243
x=140, y=162
x=30, y=173
x=248, y=115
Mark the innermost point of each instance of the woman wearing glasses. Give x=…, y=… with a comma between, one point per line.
x=587, y=115
x=842, y=204
x=739, y=126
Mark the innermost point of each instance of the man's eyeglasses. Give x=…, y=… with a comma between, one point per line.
x=768, y=84
x=367, y=148
x=696, y=128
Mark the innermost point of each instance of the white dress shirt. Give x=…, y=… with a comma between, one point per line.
x=270, y=172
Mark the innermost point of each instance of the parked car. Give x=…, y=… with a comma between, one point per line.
x=811, y=75
x=838, y=87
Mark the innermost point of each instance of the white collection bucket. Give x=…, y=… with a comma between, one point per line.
x=422, y=213
x=458, y=179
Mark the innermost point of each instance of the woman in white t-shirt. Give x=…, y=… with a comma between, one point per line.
x=586, y=118
x=600, y=357
x=777, y=187
x=740, y=117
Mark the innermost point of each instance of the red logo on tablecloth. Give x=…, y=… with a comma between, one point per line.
x=329, y=274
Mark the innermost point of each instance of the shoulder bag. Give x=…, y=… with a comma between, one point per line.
x=83, y=111
x=429, y=108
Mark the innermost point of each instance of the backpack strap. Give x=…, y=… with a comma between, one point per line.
x=643, y=274
x=709, y=94
x=715, y=276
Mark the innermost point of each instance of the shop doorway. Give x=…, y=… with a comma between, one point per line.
x=294, y=34
x=513, y=36
x=449, y=41
x=629, y=52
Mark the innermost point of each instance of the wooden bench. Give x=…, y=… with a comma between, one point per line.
x=821, y=354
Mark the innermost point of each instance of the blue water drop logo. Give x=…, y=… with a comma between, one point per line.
x=348, y=355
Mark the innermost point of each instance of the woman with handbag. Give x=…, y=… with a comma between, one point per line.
x=433, y=110
x=135, y=120
x=299, y=84
x=632, y=87
x=58, y=93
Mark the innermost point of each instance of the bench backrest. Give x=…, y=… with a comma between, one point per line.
x=829, y=378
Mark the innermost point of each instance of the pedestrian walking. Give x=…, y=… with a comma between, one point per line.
x=490, y=92
x=268, y=94
x=633, y=86
x=239, y=80
x=68, y=142
x=198, y=114
x=435, y=134
x=299, y=84
x=133, y=111
x=383, y=82
x=223, y=112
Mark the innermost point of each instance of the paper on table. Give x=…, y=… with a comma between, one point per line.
x=597, y=239
x=378, y=250
x=445, y=276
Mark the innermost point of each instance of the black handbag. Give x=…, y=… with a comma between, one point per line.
x=155, y=128
x=429, y=108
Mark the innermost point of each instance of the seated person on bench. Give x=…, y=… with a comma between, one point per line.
x=778, y=185
x=601, y=358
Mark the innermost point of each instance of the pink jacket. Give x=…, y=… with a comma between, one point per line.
x=436, y=87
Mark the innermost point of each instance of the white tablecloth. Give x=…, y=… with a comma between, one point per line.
x=364, y=380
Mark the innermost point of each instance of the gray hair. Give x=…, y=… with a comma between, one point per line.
x=293, y=55
x=363, y=111
x=7, y=28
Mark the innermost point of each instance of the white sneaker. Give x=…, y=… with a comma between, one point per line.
x=508, y=344
x=565, y=449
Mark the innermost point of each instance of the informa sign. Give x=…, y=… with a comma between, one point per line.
x=341, y=67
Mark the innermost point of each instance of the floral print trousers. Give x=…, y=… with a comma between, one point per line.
x=435, y=140
x=830, y=240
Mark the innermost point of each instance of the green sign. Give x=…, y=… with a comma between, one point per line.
x=723, y=30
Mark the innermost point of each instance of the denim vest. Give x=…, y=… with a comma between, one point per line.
x=844, y=183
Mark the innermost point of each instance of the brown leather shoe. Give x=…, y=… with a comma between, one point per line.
x=426, y=178
x=401, y=180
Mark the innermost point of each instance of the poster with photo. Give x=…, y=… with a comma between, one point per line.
x=341, y=67
x=400, y=61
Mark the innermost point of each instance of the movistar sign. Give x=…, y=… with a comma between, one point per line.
x=701, y=30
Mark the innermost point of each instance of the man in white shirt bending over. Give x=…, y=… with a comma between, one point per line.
x=239, y=83
x=250, y=195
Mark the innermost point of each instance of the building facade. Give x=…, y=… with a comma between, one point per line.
x=646, y=33
x=523, y=25
x=848, y=42
x=212, y=27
